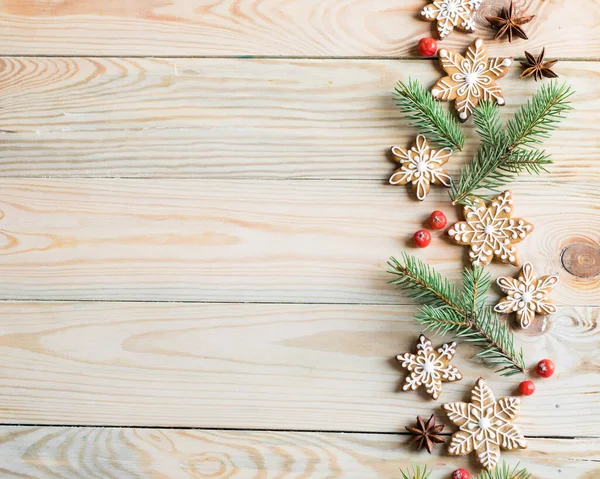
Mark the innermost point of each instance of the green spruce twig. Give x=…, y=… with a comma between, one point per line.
x=416, y=472
x=504, y=154
x=464, y=314
x=428, y=117
x=505, y=472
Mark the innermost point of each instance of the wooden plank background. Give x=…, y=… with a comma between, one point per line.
x=297, y=28
x=86, y=453
x=194, y=226
x=240, y=118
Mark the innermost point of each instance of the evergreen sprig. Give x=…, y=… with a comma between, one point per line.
x=501, y=472
x=505, y=153
x=428, y=117
x=464, y=314
x=416, y=472
x=505, y=472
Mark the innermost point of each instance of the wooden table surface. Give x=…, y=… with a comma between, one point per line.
x=194, y=227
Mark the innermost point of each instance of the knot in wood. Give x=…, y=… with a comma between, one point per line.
x=581, y=260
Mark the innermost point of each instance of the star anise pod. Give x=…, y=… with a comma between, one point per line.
x=537, y=67
x=426, y=434
x=509, y=23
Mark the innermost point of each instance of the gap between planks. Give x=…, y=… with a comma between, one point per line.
x=246, y=429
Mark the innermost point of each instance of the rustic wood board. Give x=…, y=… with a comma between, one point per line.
x=314, y=28
x=256, y=366
x=254, y=240
x=110, y=453
x=226, y=118
x=194, y=226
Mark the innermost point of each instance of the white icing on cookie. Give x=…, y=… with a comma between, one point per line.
x=527, y=295
x=490, y=231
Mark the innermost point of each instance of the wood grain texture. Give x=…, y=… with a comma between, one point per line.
x=109, y=453
x=267, y=27
x=212, y=118
x=230, y=241
x=299, y=367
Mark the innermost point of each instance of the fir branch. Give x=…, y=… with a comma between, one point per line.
x=503, y=155
x=476, y=283
x=417, y=472
x=427, y=115
x=505, y=472
x=465, y=315
x=422, y=283
x=536, y=120
x=487, y=123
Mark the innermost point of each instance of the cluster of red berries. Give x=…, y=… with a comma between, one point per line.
x=437, y=221
x=545, y=368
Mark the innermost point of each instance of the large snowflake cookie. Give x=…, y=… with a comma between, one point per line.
x=451, y=14
x=527, y=295
x=421, y=166
x=429, y=367
x=485, y=425
x=490, y=231
x=471, y=78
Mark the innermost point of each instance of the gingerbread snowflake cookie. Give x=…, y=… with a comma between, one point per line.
x=485, y=425
x=490, y=231
x=527, y=295
x=420, y=166
x=451, y=14
x=429, y=367
x=471, y=78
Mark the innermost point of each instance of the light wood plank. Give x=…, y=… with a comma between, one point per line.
x=109, y=453
x=301, y=367
x=284, y=241
x=241, y=118
x=263, y=27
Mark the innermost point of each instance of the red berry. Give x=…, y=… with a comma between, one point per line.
x=460, y=474
x=427, y=47
x=545, y=368
x=438, y=220
x=422, y=238
x=527, y=388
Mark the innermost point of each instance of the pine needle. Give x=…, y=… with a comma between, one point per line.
x=428, y=116
x=463, y=314
x=416, y=472
x=504, y=154
x=505, y=472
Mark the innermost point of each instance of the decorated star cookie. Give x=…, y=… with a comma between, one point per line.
x=490, y=230
x=429, y=367
x=450, y=14
x=421, y=166
x=527, y=295
x=471, y=78
x=485, y=425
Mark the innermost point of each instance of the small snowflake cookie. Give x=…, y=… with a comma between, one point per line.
x=421, y=166
x=490, y=231
x=527, y=295
x=485, y=425
x=471, y=78
x=429, y=367
x=451, y=14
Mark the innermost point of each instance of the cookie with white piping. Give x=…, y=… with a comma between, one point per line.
x=526, y=295
x=429, y=367
x=490, y=230
x=471, y=78
x=451, y=14
x=421, y=166
x=485, y=425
